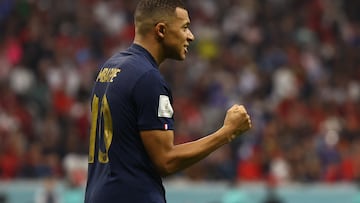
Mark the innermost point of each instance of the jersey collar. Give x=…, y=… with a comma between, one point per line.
x=141, y=50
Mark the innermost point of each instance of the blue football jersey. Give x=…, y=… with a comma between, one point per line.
x=129, y=95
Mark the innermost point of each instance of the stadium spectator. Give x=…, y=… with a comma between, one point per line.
x=294, y=63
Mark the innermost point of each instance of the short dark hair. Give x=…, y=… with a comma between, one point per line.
x=150, y=12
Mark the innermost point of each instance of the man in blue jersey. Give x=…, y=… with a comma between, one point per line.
x=132, y=130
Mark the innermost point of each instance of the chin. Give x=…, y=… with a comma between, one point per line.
x=183, y=56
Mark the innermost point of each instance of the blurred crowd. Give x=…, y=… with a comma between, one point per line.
x=294, y=64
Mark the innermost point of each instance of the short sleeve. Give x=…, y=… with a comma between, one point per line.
x=153, y=101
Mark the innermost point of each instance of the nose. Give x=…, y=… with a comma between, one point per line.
x=190, y=36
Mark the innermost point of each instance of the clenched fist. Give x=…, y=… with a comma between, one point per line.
x=236, y=121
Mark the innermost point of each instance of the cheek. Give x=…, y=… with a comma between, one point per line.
x=177, y=38
x=174, y=43
x=171, y=49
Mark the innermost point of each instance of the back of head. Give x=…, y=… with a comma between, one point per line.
x=150, y=12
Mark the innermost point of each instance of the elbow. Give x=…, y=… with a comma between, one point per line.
x=166, y=168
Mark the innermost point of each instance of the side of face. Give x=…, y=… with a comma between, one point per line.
x=177, y=36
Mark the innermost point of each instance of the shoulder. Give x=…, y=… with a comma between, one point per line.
x=132, y=69
x=134, y=62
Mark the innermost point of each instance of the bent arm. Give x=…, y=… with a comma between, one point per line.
x=169, y=158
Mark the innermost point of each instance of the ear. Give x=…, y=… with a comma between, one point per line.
x=160, y=30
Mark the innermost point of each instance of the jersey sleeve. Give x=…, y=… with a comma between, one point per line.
x=153, y=102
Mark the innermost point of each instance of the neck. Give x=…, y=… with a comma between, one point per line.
x=152, y=46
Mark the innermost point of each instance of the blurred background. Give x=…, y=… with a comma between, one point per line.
x=294, y=64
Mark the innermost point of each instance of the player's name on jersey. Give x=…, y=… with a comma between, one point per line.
x=107, y=74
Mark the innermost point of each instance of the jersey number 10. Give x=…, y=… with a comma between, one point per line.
x=101, y=122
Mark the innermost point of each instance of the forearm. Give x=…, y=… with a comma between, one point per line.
x=184, y=155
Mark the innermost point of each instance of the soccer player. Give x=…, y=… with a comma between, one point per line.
x=132, y=131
